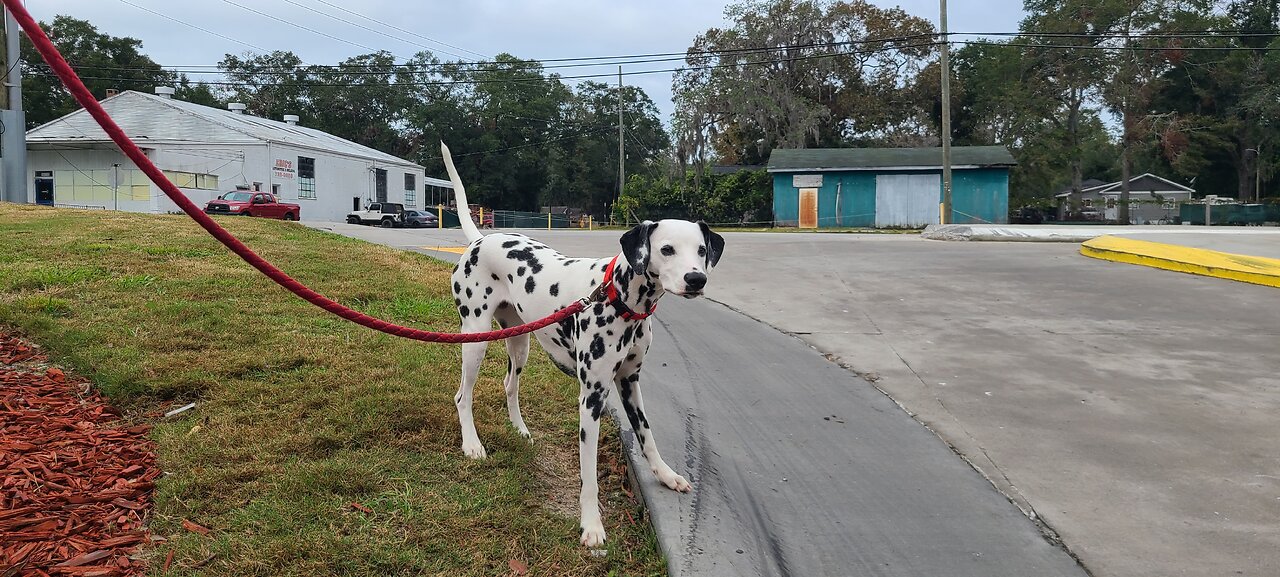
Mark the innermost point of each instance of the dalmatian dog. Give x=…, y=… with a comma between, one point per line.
x=513, y=279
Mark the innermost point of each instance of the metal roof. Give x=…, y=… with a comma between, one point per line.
x=149, y=118
x=1145, y=182
x=829, y=159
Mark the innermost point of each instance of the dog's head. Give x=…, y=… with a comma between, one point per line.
x=675, y=254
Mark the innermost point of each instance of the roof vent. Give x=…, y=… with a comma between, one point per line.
x=291, y=119
x=236, y=107
x=164, y=91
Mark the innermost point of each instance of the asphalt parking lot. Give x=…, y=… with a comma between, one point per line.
x=1130, y=409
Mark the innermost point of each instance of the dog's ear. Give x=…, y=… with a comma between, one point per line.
x=715, y=244
x=635, y=245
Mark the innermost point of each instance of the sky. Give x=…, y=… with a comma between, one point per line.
x=533, y=29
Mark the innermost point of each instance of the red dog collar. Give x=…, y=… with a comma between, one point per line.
x=612, y=296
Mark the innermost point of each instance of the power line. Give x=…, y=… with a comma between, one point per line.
x=363, y=27
x=190, y=25
x=518, y=146
x=301, y=27
x=409, y=32
x=539, y=77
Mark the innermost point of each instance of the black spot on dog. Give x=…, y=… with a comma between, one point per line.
x=520, y=271
x=519, y=370
x=485, y=307
x=601, y=322
x=626, y=335
x=595, y=402
x=599, y=309
x=593, y=282
x=510, y=243
x=529, y=285
x=631, y=357
x=475, y=255
x=503, y=304
x=488, y=290
x=457, y=288
x=519, y=307
x=469, y=292
x=495, y=277
x=582, y=435
x=511, y=278
x=582, y=374
x=477, y=311
x=597, y=347
x=465, y=311
x=555, y=289
x=526, y=255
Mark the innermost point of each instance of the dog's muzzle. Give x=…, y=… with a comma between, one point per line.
x=693, y=283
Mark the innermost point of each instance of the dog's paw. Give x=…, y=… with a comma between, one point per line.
x=525, y=433
x=473, y=449
x=593, y=536
x=673, y=481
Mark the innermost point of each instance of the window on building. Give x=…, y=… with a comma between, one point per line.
x=410, y=190
x=100, y=187
x=306, y=177
x=184, y=179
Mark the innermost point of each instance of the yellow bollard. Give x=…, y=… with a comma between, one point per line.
x=589, y=222
x=482, y=217
x=548, y=220
x=439, y=216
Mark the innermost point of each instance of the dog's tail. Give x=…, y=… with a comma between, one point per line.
x=460, y=194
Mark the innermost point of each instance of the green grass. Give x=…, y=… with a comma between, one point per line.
x=302, y=413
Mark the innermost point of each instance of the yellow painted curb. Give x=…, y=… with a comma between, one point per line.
x=1239, y=267
x=452, y=249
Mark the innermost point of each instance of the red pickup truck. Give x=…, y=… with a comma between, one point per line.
x=249, y=203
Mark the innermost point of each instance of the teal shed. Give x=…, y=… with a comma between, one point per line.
x=888, y=187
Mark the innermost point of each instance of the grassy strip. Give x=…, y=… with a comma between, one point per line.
x=302, y=414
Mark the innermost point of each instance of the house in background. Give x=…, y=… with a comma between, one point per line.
x=888, y=187
x=207, y=151
x=1152, y=199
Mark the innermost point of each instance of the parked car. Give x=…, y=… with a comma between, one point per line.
x=251, y=203
x=384, y=214
x=420, y=219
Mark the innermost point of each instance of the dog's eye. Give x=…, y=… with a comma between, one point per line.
x=668, y=251
x=702, y=251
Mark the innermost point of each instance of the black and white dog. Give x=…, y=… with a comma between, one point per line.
x=512, y=278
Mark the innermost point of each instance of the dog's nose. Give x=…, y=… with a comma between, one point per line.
x=695, y=280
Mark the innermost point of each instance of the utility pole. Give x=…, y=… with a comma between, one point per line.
x=946, y=115
x=622, y=155
x=13, y=143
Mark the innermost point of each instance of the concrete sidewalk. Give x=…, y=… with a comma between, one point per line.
x=1246, y=254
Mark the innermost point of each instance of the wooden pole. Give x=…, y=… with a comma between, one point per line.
x=946, y=115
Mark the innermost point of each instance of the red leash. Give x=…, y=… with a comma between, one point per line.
x=90, y=104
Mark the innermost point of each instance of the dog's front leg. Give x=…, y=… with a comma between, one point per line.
x=633, y=404
x=591, y=400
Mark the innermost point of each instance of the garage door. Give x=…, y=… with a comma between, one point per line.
x=907, y=200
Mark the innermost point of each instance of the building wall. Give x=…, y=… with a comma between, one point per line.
x=338, y=179
x=980, y=195
x=848, y=199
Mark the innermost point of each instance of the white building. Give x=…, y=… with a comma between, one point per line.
x=1152, y=199
x=207, y=151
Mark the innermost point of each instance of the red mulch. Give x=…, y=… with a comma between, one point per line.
x=75, y=481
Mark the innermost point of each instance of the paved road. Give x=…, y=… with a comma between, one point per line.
x=1130, y=408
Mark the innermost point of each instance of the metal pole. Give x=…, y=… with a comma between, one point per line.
x=115, y=186
x=946, y=115
x=13, y=144
x=1257, y=181
x=622, y=155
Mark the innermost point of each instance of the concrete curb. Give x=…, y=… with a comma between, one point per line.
x=1243, y=268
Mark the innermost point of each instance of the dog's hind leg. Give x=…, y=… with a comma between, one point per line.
x=517, y=355
x=472, y=356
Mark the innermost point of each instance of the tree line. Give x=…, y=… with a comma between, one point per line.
x=1186, y=89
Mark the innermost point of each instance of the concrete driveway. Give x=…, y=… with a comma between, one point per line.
x=1130, y=409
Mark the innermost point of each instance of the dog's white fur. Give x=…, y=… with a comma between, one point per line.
x=513, y=279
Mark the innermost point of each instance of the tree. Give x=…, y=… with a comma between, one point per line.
x=799, y=73
x=102, y=61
